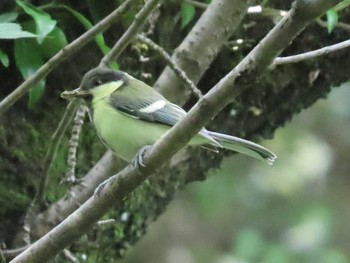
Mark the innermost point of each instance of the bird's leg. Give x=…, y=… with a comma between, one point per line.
x=138, y=159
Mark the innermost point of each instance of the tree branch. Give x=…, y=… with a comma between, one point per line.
x=126, y=181
x=139, y=21
x=179, y=72
x=310, y=55
x=58, y=211
x=344, y=26
x=74, y=143
x=201, y=46
x=61, y=56
x=197, y=4
x=55, y=142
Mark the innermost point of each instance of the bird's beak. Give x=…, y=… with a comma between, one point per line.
x=79, y=92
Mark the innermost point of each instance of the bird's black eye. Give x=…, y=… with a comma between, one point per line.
x=96, y=82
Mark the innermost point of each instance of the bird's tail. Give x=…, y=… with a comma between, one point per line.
x=243, y=146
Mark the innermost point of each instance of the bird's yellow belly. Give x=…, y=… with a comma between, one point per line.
x=124, y=134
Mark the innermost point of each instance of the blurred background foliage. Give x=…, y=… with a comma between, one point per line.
x=294, y=211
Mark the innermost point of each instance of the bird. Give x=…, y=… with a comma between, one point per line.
x=130, y=116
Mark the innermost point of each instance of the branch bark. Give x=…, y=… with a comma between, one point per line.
x=310, y=55
x=126, y=181
x=180, y=73
x=201, y=46
x=122, y=43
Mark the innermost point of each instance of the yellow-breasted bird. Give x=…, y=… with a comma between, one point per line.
x=128, y=115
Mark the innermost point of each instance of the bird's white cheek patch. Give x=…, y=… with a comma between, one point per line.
x=154, y=106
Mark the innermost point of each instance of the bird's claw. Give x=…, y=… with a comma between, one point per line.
x=136, y=162
x=138, y=159
x=99, y=188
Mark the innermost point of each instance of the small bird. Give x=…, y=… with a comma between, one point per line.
x=129, y=115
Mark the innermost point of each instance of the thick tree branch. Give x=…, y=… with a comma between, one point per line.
x=61, y=56
x=201, y=46
x=126, y=181
x=57, y=212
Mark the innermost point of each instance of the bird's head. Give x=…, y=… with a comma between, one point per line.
x=98, y=82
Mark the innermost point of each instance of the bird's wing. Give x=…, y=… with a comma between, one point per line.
x=154, y=108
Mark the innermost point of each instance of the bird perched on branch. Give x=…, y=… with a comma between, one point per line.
x=130, y=115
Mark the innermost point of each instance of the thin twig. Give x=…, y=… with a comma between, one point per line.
x=135, y=27
x=70, y=256
x=171, y=63
x=106, y=222
x=197, y=4
x=2, y=257
x=252, y=10
x=74, y=143
x=61, y=56
x=55, y=142
x=265, y=11
x=11, y=253
x=340, y=25
x=309, y=55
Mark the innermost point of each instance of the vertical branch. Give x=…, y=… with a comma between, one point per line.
x=74, y=143
x=135, y=27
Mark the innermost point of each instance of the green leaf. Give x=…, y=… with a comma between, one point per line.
x=4, y=58
x=13, y=31
x=54, y=42
x=28, y=60
x=8, y=17
x=43, y=21
x=332, y=19
x=187, y=13
x=100, y=41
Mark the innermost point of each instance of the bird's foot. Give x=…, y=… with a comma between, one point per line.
x=99, y=188
x=138, y=159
